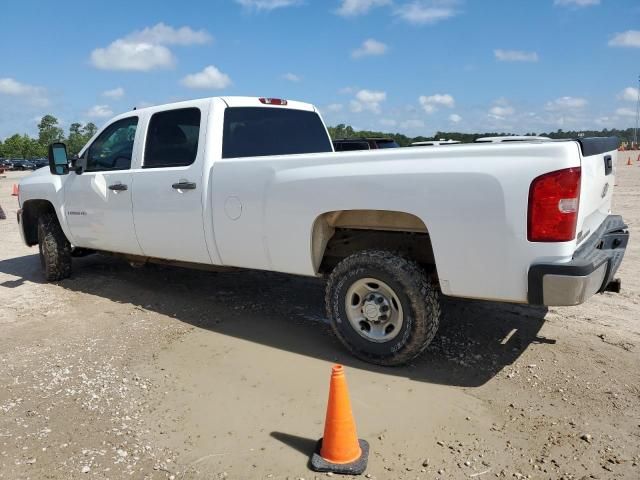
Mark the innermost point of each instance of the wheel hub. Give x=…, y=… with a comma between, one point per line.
x=373, y=309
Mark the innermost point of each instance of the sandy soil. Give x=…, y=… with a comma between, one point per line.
x=156, y=373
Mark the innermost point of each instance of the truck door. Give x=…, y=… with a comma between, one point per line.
x=168, y=191
x=98, y=201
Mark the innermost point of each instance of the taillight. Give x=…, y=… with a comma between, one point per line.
x=273, y=101
x=553, y=206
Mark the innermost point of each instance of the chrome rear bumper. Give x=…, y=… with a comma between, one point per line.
x=591, y=270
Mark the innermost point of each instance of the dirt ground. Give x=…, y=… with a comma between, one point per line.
x=165, y=373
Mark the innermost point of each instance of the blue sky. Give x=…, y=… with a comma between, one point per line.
x=414, y=66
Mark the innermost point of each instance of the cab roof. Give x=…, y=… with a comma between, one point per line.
x=231, y=101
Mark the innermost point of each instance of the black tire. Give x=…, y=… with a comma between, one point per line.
x=418, y=296
x=55, y=250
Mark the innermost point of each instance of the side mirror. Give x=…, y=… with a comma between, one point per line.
x=58, y=161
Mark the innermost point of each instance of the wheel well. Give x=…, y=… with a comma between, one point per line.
x=31, y=211
x=338, y=234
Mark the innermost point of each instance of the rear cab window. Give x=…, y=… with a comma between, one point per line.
x=263, y=131
x=387, y=144
x=351, y=146
x=172, y=138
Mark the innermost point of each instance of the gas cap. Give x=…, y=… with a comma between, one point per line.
x=233, y=208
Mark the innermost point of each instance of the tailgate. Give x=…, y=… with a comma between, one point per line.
x=598, y=165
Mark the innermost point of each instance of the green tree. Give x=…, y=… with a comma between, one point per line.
x=79, y=135
x=89, y=130
x=49, y=131
x=76, y=138
x=14, y=146
x=32, y=148
x=23, y=146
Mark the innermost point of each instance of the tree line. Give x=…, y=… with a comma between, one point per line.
x=49, y=131
x=346, y=131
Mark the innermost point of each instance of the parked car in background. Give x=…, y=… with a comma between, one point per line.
x=7, y=164
x=348, y=145
x=23, y=165
x=40, y=162
x=511, y=138
x=433, y=143
x=363, y=143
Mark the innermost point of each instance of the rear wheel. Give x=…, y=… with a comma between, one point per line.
x=383, y=307
x=55, y=250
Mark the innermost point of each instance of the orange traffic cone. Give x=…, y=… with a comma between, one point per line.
x=14, y=192
x=628, y=161
x=340, y=450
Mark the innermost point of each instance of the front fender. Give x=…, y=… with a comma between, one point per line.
x=43, y=186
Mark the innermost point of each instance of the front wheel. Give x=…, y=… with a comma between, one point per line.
x=55, y=250
x=383, y=307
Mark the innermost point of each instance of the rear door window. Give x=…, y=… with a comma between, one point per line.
x=261, y=131
x=172, y=138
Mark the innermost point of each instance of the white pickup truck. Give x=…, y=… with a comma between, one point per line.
x=254, y=183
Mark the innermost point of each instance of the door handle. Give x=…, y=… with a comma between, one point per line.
x=184, y=186
x=117, y=187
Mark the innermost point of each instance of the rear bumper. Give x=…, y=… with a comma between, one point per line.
x=591, y=270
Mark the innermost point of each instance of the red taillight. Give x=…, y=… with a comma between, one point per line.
x=553, y=206
x=273, y=101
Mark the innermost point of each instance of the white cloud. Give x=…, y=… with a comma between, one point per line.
x=455, y=118
x=125, y=55
x=35, y=95
x=625, y=112
x=351, y=8
x=292, y=77
x=368, y=100
x=116, y=93
x=630, y=38
x=100, y=111
x=144, y=50
x=576, y=3
x=334, y=107
x=515, y=56
x=370, y=47
x=267, y=4
x=565, y=103
x=431, y=103
x=162, y=34
x=210, y=77
x=9, y=86
x=500, y=112
x=425, y=12
x=346, y=90
x=629, y=94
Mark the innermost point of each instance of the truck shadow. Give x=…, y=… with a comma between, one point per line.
x=475, y=342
